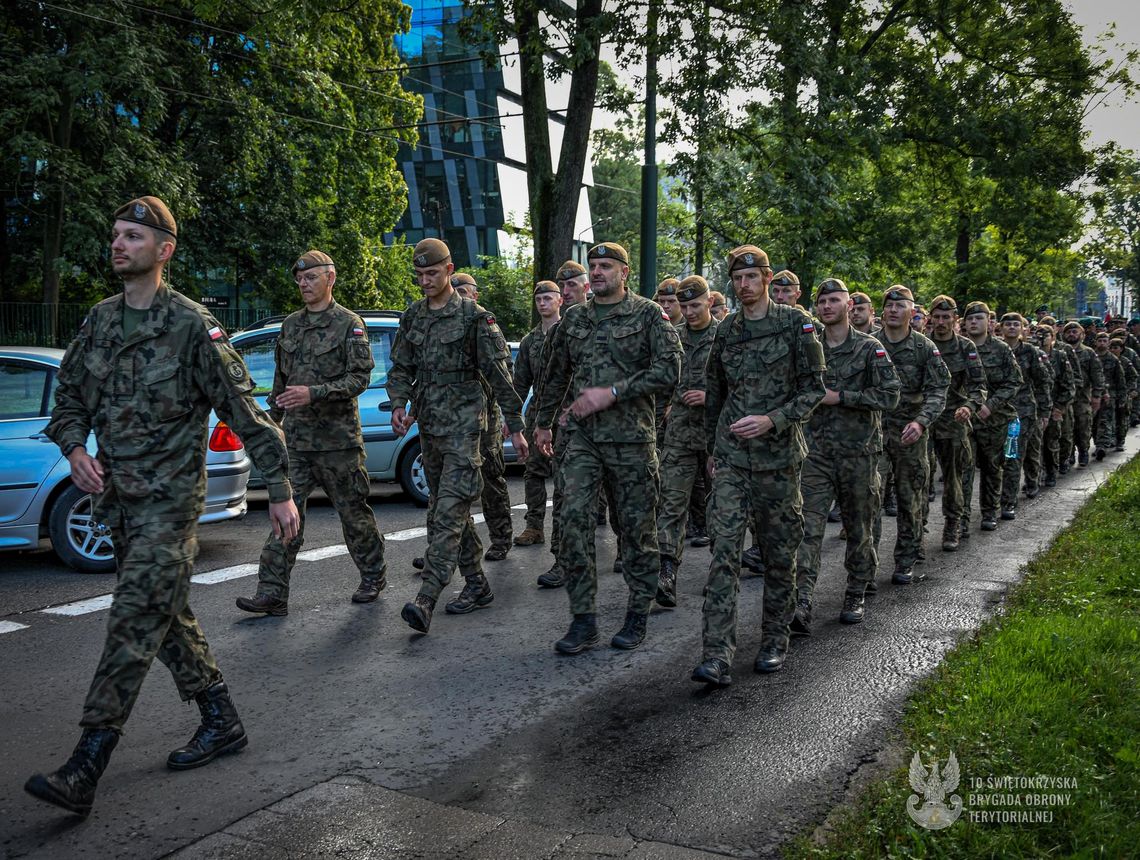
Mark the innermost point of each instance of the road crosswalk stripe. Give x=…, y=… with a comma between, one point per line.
x=11, y=626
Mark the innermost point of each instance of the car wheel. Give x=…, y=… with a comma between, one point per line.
x=77, y=538
x=412, y=477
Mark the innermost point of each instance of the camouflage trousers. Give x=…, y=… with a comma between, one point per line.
x=1065, y=442
x=1106, y=426
x=1084, y=420
x=1012, y=467
x=452, y=466
x=603, y=497
x=908, y=465
x=854, y=482
x=680, y=469
x=951, y=446
x=150, y=617
x=343, y=477
x=539, y=467
x=1052, y=440
x=1034, y=451
x=495, y=497
x=631, y=470
x=988, y=441
x=773, y=498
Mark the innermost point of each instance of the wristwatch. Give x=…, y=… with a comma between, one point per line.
x=613, y=391
x=69, y=447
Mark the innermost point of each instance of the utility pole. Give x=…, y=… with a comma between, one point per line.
x=648, y=273
x=699, y=178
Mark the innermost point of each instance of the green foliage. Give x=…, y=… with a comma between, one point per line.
x=1115, y=245
x=506, y=288
x=1051, y=687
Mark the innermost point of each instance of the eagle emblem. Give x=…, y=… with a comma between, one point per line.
x=140, y=210
x=749, y=259
x=602, y=250
x=300, y=264
x=933, y=813
x=421, y=260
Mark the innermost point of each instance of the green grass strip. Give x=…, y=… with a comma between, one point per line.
x=1049, y=687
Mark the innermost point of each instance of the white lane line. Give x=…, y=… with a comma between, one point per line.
x=322, y=552
x=522, y=507
x=412, y=534
x=224, y=573
x=81, y=607
x=11, y=626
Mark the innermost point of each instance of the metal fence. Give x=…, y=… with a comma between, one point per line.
x=33, y=324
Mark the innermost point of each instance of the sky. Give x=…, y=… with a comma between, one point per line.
x=1115, y=118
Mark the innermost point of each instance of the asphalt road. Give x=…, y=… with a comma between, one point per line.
x=481, y=715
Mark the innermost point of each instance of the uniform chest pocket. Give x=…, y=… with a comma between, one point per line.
x=329, y=359
x=162, y=388
x=630, y=344
x=97, y=365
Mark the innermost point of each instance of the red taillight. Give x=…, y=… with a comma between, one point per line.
x=224, y=439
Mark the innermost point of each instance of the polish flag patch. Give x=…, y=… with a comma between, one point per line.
x=490, y=319
x=936, y=352
x=880, y=353
x=359, y=332
x=215, y=333
x=973, y=355
x=665, y=316
x=809, y=327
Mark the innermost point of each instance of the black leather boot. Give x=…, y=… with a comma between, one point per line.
x=72, y=787
x=583, y=634
x=476, y=594
x=221, y=730
x=553, y=578
x=667, y=583
x=417, y=614
x=714, y=672
x=632, y=632
x=369, y=588
x=264, y=604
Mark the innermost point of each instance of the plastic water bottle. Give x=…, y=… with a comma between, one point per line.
x=1011, y=435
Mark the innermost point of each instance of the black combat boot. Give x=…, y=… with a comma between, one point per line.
x=1083, y=459
x=1009, y=513
x=1099, y=454
x=583, y=634
x=497, y=553
x=904, y=575
x=417, y=614
x=264, y=604
x=553, y=578
x=369, y=588
x=667, y=583
x=714, y=672
x=72, y=787
x=853, y=608
x=1051, y=478
x=951, y=532
x=801, y=621
x=700, y=537
x=753, y=559
x=1032, y=491
x=221, y=730
x=476, y=594
x=770, y=658
x=989, y=521
x=419, y=562
x=632, y=633
x=891, y=503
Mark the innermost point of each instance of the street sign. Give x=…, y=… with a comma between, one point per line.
x=215, y=301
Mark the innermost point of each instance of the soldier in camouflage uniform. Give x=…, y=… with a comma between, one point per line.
x=143, y=372
x=925, y=381
x=683, y=457
x=785, y=288
x=447, y=349
x=765, y=375
x=1090, y=396
x=862, y=314
x=845, y=442
x=528, y=377
x=719, y=306
x=666, y=296
x=991, y=425
x=1064, y=390
x=323, y=363
x=964, y=397
x=1116, y=394
x=1124, y=412
x=611, y=357
x=1033, y=402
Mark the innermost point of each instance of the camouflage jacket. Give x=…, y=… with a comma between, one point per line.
x=1090, y=384
x=967, y=376
x=1115, y=382
x=529, y=367
x=1035, y=393
x=148, y=399
x=771, y=366
x=1131, y=360
x=329, y=352
x=924, y=377
x=1003, y=378
x=1064, y=378
x=868, y=385
x=686, y=425
x=440, y=361
x=634, y=349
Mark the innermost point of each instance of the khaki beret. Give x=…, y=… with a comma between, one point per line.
x=570, y=269
x=609, y=251
x=667, y=287
x=860, y=298
x=460, y=278
x=692, y=287
x=718, y=299
x=943, y=303
x=747, y=257
x=1012, y=316
x=546, y=287
x=311, y=260
x=786, y=278
x=828, y=286
x=898, y=293
x=919, y=310
x=1073, y=324
x=977, y=308
x=1047, y=321
x=430, y=252
x=149, y=211
x=1116, y=342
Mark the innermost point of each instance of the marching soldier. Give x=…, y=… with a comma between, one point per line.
x=1064, y=390
x=719, y=307
x=785, y=288
x=1033, y=402
x=1090, y=396
x=1123, y=398
x=1115, y=395
x=862, y=313
x=765, y=376
x=144, y=371
x=446, y=349
x=324, y=362
x=667, y=297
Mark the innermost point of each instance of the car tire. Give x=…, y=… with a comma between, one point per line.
x=412, y=477
x=80, y=541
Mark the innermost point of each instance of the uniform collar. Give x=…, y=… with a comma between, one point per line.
x=156, y=321
x=320, y=319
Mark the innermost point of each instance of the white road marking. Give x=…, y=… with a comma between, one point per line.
x=81, y=607
x=322, y=552
x=412, y=534
x=522, y=507
x=11, y=626
x=224, y=573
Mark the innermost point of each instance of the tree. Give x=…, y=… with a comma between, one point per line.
x=1115, y=241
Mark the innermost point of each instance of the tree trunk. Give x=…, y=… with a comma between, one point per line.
x=55, y=209
x=962, y=258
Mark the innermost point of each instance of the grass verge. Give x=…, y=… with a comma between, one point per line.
x=1049, y=687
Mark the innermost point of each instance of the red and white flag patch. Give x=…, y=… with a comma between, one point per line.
x=215, y=333
x=809, y=327
x=665, y=316
x=490, y=319
x=358, y=332
x=973, y=355
x=936, y=352
x=880, y=353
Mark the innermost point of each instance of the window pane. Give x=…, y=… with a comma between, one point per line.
x=21, y=391
x=259, y=358
x=381, y=340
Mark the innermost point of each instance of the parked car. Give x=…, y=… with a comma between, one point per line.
x=388, y=456
x=38, y=499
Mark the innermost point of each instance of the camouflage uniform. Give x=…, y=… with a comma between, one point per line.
x=148, y=398
x=329, y=352
x=634, y=349
x=951, y=438
x=1064, y=390
x=925, y=381
x=1003, y=379
x=495, y=496
x=845, y=443
x=1090, y=389
x=440, y=360
x=683, y=453
x=1116, y=386
x=1065, y=430
x=1034, y=400
x=1128, y=361
x=539, y=467
x=774, y=367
